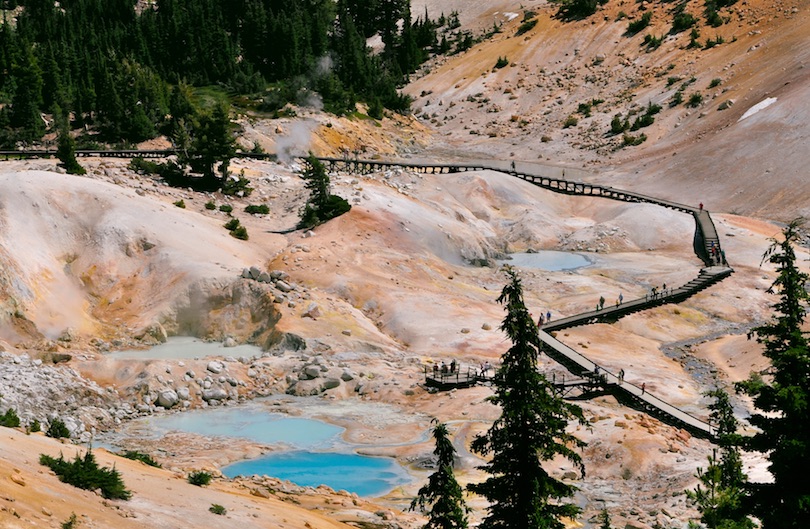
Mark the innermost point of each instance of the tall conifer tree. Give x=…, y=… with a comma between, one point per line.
x=443, y=493
x=782, y=396
x=530, y=430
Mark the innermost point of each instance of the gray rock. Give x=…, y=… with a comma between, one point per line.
x=190, y=373
x=214, y=394
x=229, y=342
x=255, y=272
x=330, y=383
x=264, y=277
x=279, y=274
x=347, y=376
x=183, y=393
x=283, y=286
x=167, y=398
x=252, y=373
x=312, y=311
x=246, y=274
x=312, y=372
x=215, y=367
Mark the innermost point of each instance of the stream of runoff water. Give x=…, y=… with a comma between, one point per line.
x=185, y=347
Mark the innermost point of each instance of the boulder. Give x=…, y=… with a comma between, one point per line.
x=264, y=277
x=183, y=393
x=330, y=383
x=246, y=274
x=215, y=367
x=283, y=286
x=347, y=376
x=229, y=342
x=214, y=394
x=312, y=311
x=255, y=272
x=279, y=274
x=311, y=372
x=167, y=398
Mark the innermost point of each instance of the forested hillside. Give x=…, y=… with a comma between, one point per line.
x=126, y=70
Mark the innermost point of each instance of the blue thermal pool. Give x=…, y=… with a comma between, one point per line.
x=187, y=347
x=550, y=260
x=364, y=475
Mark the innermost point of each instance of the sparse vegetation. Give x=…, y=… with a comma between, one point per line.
x=584, y=109
x=578, y=9
x=695, y=100
x=694, y=35
x=501, y=63
x=199, y=478
x=257, y=209
x=525, y=27
x=570, y=121
x=682, y=20
x=84, y=473
x=715, y=82
x=10, y=419
x=35, y=426
x=57, y=429
x=651, y=42
x=711, y=43
x=677, y=98
x=635, y=26
x=321, y=205
x=218, y=509
x=619, y=125
x=630, y=141
x=140, y=456
x=226, y=208
x=210, y=205
x=240, y=233
x=180, y=204
x=70, y=523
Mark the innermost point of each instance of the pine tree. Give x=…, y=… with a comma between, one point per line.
x=604, y=519
x=66, y=152
x=781, y=396
x=442, y=492
x=720, y=496
x=530, y=430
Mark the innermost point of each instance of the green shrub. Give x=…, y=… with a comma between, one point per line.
x=199, y=478
x=584, y=109
x=140, y=456
x=232, y=224
x=35, y=426
x=210, y=205
x=57, y=429
x=617, y=125
x=10, y=419
x=240, y=233
x=501, y=63
x=525, y=27
x=570, y=121
x=629, y=140
x=635, y=26
x=695, y=100
x=652, y=42
x=180, y=204
x=711, y=43
x=144, y=166
x=217, y=509
x=261, y=209
x=682, y=21
x=621, y=16
x=715, y=82
x=644, y=120
x=672, y=80
x=677, y=99
x=714, y=19
x=237, y=187
x=71, y=522
x=226, y=208
x=84, y=473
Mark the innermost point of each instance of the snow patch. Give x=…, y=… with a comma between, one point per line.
x=510, y=16
x=756, y=108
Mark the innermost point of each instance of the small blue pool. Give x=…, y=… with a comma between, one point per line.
x=550, y=260
x=364, y=475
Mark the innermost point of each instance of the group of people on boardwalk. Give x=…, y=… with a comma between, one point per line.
x=445, y=369
x=717, y=255
x=601, y=303
x=656, y=294
x=541, y=320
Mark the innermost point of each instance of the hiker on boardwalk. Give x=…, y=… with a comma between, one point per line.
x=540, y=321
x=701, y=206
x=621, y=376
x=621, y=298
x=435, y=370
x=601, y=302
x=643, y=387
x=444, y=368
x=453, y=366
x=548, y=312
